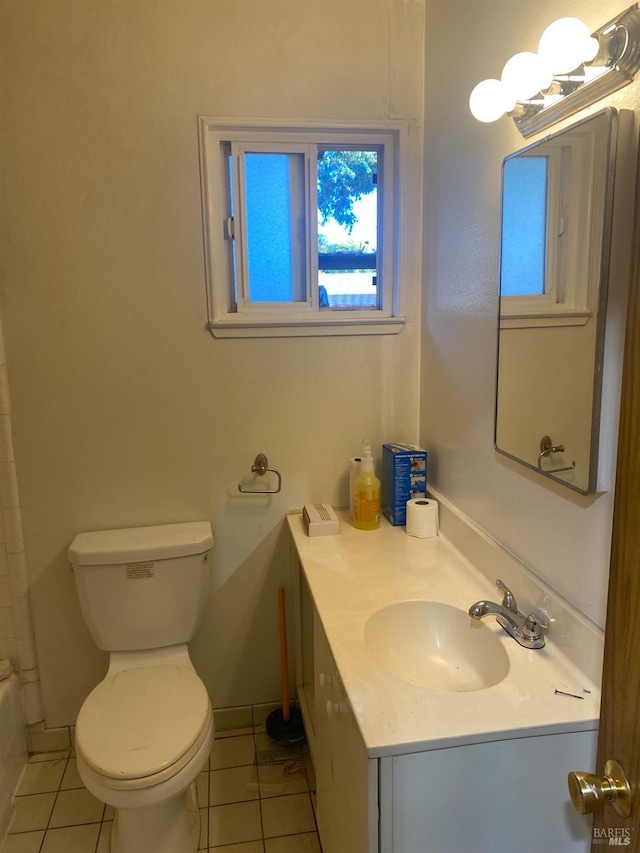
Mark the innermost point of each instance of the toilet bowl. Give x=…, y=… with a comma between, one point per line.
x=142, y=736
x=145, y=731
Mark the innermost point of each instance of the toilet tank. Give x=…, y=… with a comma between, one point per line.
x=143, y=587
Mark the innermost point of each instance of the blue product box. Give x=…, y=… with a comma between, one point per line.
x=404, y=477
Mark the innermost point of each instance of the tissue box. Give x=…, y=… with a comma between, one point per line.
x=404, y=477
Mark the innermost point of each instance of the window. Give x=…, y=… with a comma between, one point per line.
x=524, y=228
x=301, y=228
x=551, y=193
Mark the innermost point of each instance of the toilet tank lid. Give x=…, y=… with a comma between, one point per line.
x=132, y=544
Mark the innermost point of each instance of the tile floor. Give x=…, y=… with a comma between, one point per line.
x=254, y=797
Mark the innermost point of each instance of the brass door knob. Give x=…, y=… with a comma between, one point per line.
x=589, y=792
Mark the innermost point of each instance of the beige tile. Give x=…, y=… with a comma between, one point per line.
x=71, y=778
x=247, y=847
x=76, y=807
x=276, y=780
x=233, y=785
x=8, y=485
x=6, y=440
x=13, y=536
x=49, y=740
x=71, y=839
x=41, y=777
x=234, y=823
x=7, y=623
x=26, y=842
x=305, y=843
x=270, y=753
x=104, y=839
x=5, y=400
x=232, y=752
x=228, y=720
x=48, y=756
x=287, y=815
x=225, y=733
x=31, y=812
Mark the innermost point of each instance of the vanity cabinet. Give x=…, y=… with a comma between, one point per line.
x=346, y=780
x=489, y=797
x=374, y=795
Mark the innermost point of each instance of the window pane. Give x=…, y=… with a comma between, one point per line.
x=348, y=228
x=524, y=231
x=232, y=212
x=274, y=200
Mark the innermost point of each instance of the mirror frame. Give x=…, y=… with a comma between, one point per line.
x=600, y=304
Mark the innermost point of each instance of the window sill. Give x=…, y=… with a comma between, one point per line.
x=319, y=327
x=540, y=319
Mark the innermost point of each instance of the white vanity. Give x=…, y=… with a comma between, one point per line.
x=481, y=762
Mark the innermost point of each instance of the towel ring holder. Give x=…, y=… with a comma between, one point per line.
x=260, y=467
x=546, y=449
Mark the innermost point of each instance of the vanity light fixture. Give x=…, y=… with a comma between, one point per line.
x=572, y=69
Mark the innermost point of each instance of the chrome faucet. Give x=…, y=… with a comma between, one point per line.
x=526, y=630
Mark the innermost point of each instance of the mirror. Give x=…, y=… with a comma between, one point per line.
x=557, y=198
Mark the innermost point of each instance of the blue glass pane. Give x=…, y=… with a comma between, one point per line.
x=524, y=218
x=274, y=193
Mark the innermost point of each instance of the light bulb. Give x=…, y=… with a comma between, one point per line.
x=490, y=100
x=566, y=44
x=526, y=74
x=590, y=50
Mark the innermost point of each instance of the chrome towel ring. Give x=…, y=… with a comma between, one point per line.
x=260, y=467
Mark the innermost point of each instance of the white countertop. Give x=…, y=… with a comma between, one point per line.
x=354, y=574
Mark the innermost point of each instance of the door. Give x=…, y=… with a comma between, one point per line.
x=619, y=734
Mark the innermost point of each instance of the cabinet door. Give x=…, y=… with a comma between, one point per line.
x=346, y=780
x=491, y=797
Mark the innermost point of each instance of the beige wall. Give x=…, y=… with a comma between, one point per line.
x=546, y=378
x=562, y=537
x=126, y=411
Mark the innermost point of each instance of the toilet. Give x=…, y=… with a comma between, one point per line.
x=145, y=732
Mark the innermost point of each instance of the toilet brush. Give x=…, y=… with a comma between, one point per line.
x=284, y=725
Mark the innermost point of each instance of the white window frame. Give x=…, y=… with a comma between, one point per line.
x=231, y=317
x=570, y=278
x=243, y=303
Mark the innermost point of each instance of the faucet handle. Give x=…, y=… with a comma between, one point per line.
x=509, y=600
x=533, y=626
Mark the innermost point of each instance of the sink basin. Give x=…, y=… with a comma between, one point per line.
x=437, y=646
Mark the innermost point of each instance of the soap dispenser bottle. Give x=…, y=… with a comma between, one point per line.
x=366, y=493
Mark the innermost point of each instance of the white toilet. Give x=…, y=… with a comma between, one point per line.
x=145, y=732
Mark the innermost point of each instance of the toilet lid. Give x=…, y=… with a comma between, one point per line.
x=138, y=722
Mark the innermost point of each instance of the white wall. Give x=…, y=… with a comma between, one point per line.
x=564, y=538
x=126, y=411
x=16, y=625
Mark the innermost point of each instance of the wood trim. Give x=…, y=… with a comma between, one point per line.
x=619, y=735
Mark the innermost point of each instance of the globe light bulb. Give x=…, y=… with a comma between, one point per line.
x=526, y=74
x=490, y=100
x=590, y=50
x=566, y=44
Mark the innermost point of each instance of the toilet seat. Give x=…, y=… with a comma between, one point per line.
x=141, y=726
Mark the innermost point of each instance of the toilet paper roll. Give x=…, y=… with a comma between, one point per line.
x=354, y=470
x=422, y=518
